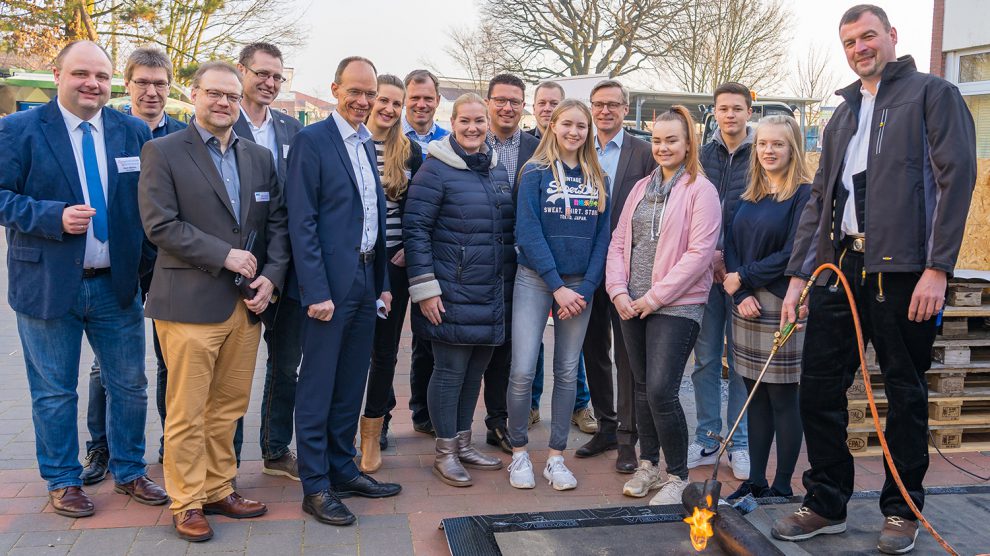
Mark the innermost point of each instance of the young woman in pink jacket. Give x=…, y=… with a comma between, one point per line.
x=658, y=274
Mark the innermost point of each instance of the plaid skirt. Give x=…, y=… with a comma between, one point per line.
x=752, y=340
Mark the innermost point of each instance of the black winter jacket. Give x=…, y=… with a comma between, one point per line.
x=458, y=234
x=919, y=178
x=729, y=172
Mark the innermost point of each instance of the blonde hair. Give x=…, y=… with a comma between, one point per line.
x=548, y=152
x=678, y=113
x=397, y=149
x=797, y=168
x=467, y=98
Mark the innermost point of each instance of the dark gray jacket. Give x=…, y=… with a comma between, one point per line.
x=920, y=176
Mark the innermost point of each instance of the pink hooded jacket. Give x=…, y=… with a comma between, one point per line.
x=682, y=268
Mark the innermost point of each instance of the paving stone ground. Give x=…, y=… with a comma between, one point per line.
x=406, y=524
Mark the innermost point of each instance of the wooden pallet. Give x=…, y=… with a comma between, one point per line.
x=953, y=439
x=964, y=294
x=961, y=322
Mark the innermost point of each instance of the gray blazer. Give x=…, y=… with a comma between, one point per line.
x=286, y=128
x=635, y=163
x=186, y=212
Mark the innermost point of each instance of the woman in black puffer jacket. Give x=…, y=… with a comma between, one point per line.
x=458, y=235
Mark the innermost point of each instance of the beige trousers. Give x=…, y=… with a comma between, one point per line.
x=210, y=369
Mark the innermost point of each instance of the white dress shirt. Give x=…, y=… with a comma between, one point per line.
x=97, y=252
x=264, y=134
x=857, y=157
x=364, y=172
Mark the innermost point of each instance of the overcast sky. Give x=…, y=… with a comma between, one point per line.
x=400, y=34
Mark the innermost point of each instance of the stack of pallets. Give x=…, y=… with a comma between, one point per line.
x=958, y=382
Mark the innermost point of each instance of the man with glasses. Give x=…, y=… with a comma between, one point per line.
x=68, y=198
x=506, y=100
x=223, y=249
x=262, y=71
x=147, y=78
x=626, y=160
x=337, y=224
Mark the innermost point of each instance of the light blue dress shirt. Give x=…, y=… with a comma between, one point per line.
x=608, y=156
x=364, y=169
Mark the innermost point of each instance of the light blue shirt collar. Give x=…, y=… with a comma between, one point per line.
x=407, y=128
x=346, y=131
x=617, y=140
x=72, y=121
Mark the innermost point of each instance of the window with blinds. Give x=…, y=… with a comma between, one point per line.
x=979, y=105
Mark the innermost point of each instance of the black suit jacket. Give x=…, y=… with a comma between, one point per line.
x=635, y=163
x=286, y=128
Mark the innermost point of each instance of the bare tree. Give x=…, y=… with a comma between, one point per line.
x=552, y=38
x=813, y=78
x=725, y=40
x=189, y=30
x=478, y=52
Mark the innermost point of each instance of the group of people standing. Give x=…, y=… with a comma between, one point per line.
x=323, y=236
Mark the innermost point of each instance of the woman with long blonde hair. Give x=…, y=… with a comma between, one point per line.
x=398, y=159
x=562, y=233
x=758, y=245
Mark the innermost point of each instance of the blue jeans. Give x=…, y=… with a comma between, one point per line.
x=532, y=301
x=716, y=327
x=284, y=340
x=96, y=410
x=581, y=398
x=454, y=386
x=51, y=356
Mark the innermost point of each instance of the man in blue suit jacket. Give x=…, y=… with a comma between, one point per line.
x=337, y=229
x=68, y=198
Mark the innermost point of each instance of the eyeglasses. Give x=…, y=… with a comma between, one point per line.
x=143, y=84
x=264, y=75
x=610, y=105
x=357, y=93
x=500, y=102
x=216, y=95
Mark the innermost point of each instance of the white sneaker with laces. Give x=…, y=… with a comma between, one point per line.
x=645, y=479
x=739, y=461
x=521, y=471
x=700, y=455
x=559, y=476
x=670, y=492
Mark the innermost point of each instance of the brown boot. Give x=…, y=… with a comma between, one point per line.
x=447, y=466
x=371, y=451
x=71, y=502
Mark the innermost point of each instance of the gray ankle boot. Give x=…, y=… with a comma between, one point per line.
x=470, y=457
x=447, y=467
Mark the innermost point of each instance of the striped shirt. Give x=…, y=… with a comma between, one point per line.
x=393, y=211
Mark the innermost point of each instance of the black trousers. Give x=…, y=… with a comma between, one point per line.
x=497, y=386
x=828, y=367
x=603, y=325
x=420, y=371
x=380, y=398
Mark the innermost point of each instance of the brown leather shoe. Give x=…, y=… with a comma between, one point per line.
x=235, y=506
x=71, y=502
x=143, y=490
x=192, y=526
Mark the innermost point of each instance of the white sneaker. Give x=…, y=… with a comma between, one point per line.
x=559, y=476
x=739, y=461
x=699, y=455
x=670, y=492
x=645, y=479
x=521, y=471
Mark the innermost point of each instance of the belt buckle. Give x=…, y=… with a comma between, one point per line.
x=859, y=244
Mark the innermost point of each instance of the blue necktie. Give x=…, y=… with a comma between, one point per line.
x=94, y=185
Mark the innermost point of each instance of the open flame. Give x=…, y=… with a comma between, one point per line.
x=701, y=525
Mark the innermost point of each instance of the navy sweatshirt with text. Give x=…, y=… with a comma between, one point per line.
x=554, y=243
